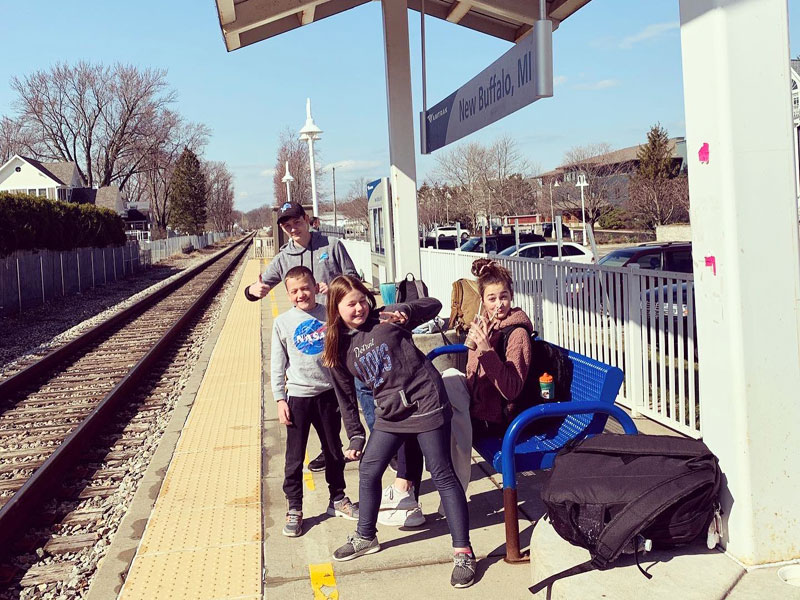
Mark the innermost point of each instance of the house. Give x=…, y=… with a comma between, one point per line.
x=56, y=181
x=53, y=180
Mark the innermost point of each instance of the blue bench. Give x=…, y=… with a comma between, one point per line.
x=593, y=389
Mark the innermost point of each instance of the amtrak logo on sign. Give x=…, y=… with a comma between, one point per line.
x=309, y=337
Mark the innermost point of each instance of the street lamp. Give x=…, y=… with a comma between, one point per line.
x=582, y=183
x=287, y=179
x=552, y=212
x=310, y=133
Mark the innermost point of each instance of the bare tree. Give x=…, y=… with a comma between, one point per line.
x=105, y=119
x=219, y=196
x=258, y=217
x=295, y=151
x=602, y=178
x=465, y=167
x=354, y=208
x=14, y=139
x=152, y=181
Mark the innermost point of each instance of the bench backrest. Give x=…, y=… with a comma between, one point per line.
x=592, y=380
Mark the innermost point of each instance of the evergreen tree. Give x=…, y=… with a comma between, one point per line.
x=187, y=195
x=655, y=157
x=656, y=194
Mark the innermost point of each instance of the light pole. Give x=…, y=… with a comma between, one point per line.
x=582, y=183
x=310, y=133
x=333, y=170
x=552, y=212
x=287, y=179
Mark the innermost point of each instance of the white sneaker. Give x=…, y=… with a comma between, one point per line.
x=395, y=499
x=402, y=517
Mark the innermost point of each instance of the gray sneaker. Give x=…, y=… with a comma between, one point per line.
x=343, y=508
x=294, y=523
x=463, y=570
x=356, y=546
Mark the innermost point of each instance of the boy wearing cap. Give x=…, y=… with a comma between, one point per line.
x=325, y=257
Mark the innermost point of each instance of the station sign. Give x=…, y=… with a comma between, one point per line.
x=521, y=76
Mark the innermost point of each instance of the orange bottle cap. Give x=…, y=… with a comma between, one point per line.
x=546, y=378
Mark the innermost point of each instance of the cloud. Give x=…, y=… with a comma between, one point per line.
x=353, y=165
x=603, y=84
x=559, y=79
x=650, y=32
x=267, y=172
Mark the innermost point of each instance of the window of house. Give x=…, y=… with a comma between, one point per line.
x=42, y=193
x=62, y=194
x=32, y=192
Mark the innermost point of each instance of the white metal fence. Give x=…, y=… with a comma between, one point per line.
x=642, y=321
x=263, y=247
x=160, y=249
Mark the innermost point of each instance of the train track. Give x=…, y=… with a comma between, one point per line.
x=72, y=421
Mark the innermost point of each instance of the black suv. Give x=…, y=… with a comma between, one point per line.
x=498, y=242
x=671, y=256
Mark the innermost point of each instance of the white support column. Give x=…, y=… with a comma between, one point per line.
x=403, y=171
x=738, y=101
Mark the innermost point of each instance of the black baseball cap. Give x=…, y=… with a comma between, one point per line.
x=290, y=210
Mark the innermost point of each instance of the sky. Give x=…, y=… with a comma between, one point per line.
x=617, y=71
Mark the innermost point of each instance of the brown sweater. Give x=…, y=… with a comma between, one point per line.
x=493, y=382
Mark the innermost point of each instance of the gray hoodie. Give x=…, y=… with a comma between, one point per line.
x=326, y=257
x=298, y=338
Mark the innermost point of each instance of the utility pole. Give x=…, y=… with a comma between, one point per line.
x=333, y=169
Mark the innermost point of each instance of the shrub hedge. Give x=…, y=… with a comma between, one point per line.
x=31, y=223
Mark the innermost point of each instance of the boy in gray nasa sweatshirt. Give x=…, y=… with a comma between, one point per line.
x=305, y=397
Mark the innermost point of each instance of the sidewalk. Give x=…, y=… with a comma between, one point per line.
x=412, y=563
x=416, y=563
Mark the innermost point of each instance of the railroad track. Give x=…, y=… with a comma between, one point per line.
x=71, y=421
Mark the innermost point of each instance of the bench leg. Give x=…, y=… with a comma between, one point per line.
x=513, y=554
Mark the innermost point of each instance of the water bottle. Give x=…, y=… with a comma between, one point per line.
x=546, y=387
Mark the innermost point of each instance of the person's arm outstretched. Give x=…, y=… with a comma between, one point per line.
x=266, y=281
x=417, y=311
x=345, y=389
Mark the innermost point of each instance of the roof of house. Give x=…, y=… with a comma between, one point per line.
x=50, y=172
x=107, y=197
x=135, y=215
x=610, y=158
x=63, y=170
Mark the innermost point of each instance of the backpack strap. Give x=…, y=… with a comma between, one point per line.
x=639, y=513
x=505, y=333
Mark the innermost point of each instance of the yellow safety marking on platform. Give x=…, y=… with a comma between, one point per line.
x=323, y=582
x=307, y=475
x=274, y=303
x=203, y=539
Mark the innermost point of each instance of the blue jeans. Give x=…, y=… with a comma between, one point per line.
x=367, y=402
x=435, y=446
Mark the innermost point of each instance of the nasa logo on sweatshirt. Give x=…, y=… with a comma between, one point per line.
x=309, y=337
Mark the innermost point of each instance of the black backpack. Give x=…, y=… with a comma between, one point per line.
x=411, y=289
x=545, y=358
x=617, y=493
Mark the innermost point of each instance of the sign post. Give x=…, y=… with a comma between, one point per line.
x=521, y=76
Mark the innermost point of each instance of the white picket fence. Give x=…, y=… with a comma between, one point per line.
x=642, y=321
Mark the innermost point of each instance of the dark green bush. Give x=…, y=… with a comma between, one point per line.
x=30, y=223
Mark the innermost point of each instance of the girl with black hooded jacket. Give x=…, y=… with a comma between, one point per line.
x=375, y=346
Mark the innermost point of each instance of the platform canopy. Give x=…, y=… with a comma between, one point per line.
x=246, y=22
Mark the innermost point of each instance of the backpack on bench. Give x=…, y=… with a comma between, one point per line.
x=623, y=493
x=545, y=358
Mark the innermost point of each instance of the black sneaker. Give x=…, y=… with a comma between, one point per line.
x=294, y=523
x=356, y=546
x=318, y=464
x=463, y=570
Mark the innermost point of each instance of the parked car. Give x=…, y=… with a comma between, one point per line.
x=497, y=242
x=570, y=251
x=660, y=304
x=671, y=256
x=448, y=231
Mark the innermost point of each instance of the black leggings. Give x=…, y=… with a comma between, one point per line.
x=435, y=446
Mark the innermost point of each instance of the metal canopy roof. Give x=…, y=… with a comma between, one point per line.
x=246, y=22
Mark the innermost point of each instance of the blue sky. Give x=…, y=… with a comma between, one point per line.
x=617, y=67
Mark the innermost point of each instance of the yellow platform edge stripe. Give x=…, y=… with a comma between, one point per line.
x=323, y=582
x=168, y=563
